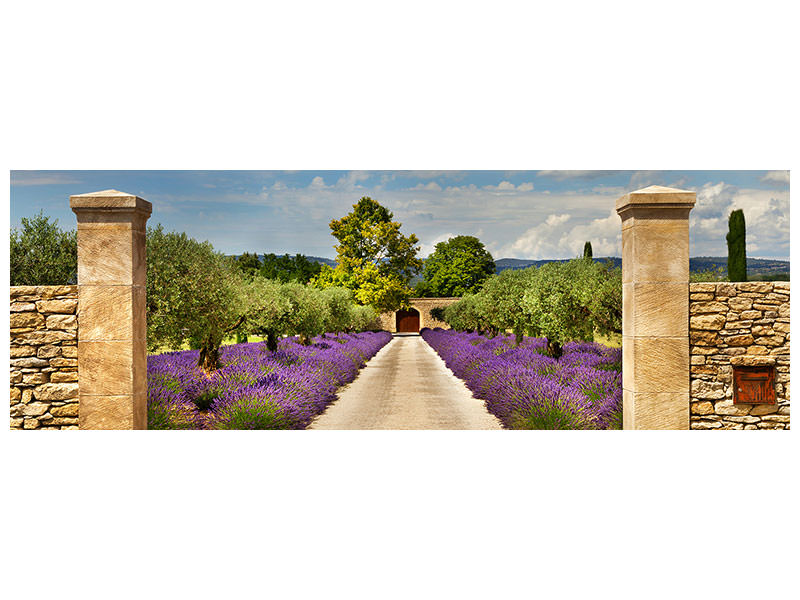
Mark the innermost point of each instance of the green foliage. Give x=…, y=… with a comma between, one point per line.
x=43, y=254
x=562, y=301
x=193, y=293
x=374, y=260
x=714, y=273
x=248, y=263
x=737, y=256
x=289, y=268
x=458, y=266
x=587, y=250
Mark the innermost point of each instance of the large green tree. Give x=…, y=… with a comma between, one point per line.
x=193, y=294
x=457, y=266
x=737, y=255
x=373, y=258
x=42, y=254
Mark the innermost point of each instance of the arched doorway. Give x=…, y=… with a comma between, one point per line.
x=407, y=321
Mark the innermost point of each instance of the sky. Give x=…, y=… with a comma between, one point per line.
x=516, y=214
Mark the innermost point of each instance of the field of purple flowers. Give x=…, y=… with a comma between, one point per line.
x=255, y=388
x=527, y=389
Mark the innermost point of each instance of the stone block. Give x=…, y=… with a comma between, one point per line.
x=653, y=410
x=704, y=338
x=655, y=309
x=30, y=424
x=713, y=322
x=24, y=319
x=34, y=378
x=740, y=340
x=702, y=408
x=62, y=322
x=740, y=303
x=703, y=424
x=62, y=377
x=68, y=410
x=69, y=351
x=21, y=351
x=656, y=365
x=764, y=409
x=773, y=340
x=30, y=362
x=696, y=308
x=38, y=338
x=48, y=351
x=751, y=360
x=701, y=296
x=105, y=368
x=661, y=249
x=707, y=390
x=755, y=286
x=697, y=360
x=23, y=307
x=34, y=409
x=112, y=412
x=750, y=315
x=57, y=391
x=63, y=362
x=105, y=256
x=57, y=306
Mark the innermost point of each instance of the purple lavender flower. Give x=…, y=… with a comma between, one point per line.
x=526, y=389
x=256, y=388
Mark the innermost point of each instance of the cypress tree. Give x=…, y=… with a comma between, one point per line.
x=737, y=258
x=587, y=250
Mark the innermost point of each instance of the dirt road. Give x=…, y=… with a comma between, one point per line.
x=406, y=386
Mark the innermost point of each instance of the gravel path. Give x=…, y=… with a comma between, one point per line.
x=406, y=386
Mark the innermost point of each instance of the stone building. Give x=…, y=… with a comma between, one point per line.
x=417, y=317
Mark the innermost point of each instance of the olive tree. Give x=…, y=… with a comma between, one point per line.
x=42, y=254
x=193, y=293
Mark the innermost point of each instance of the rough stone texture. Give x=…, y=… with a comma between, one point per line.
x=751, y=332
x=424, y=306
x=112, y=359
x=656, y=310
x=44, y=388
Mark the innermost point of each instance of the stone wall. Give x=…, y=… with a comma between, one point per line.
x=424, y=306
x=737, y=324
x=44, y=357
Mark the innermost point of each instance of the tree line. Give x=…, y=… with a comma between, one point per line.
x=562, y=301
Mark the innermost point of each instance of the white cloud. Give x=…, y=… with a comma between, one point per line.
x=560, y=236
x=525, y=187
x=317, y=182
x=563, y=175
x=431, y=186
x=428, y=248
x=26, y=178
x=776, y=177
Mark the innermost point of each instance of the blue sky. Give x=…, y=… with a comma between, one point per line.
x=516, y=214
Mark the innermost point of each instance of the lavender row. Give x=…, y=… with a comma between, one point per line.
x=255, y=388
x=526, y=389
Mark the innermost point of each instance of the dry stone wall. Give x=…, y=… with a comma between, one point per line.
x=44, y=357
x=737, y=324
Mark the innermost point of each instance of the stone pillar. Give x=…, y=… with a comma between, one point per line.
x=112, y=322
x=655, y=307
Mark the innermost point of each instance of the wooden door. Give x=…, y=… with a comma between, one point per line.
x=408, y=321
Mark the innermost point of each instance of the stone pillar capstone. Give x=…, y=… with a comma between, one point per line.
x=112, y=322
x=655, y=307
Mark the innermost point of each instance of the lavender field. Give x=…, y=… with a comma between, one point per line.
x=255, y=388
x=526, y=389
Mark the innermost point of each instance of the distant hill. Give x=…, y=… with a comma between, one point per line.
x=755, y=266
